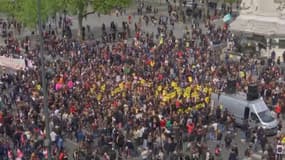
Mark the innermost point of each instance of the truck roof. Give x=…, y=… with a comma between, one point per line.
x=241, y=96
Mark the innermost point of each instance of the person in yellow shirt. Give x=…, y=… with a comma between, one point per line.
x=283, y=140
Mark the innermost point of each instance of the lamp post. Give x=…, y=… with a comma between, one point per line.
x=64, y=23
x=44, y=83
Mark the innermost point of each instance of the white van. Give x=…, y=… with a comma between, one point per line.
x=254, y=111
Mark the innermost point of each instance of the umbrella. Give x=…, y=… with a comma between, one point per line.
x=227, y=18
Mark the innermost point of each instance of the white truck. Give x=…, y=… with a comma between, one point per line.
x=247, y=107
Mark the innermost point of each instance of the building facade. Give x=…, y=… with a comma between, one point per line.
x=265, y=21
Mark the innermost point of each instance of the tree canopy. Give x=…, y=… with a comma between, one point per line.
x=82, y=8
x=26, y=10
x=230, y=1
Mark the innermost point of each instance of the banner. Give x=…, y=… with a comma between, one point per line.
x=12, y=63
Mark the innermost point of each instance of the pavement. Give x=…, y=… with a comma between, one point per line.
x=96, y=22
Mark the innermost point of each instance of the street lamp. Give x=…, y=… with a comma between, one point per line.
x=44, y=87
x=64, y=23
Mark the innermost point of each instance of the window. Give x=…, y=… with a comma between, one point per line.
x=274, y=43
x=266, y=116
x=254, y=117
x=282, y=43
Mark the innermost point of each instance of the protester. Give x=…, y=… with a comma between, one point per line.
x=111, y=95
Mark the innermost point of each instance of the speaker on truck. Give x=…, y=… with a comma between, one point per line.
x=252, y=92
x=231, y=86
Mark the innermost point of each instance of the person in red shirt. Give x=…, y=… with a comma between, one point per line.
x=62, y=155
x=177, y=104
x=162, y=122
x=180, y=54
x=160, y=77
x=190, y=126
x=130, y=19
x=72, y=109
x=277, y=110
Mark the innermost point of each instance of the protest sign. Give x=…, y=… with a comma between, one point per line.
x=12, y=63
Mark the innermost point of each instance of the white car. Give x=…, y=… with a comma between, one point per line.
x=190, y=3
x=193, y=4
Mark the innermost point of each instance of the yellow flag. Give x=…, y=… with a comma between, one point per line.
x=195, y=95
x=124, y=94
x=178, y=91
x=99, y=97
x=142, y=81
x=173, y=84
x=199, y=106
x=283, y=140
x=187, y=44
x=118, y=89
x=38, y=87
x=172, y=95
x=159, y=88
x=188, y=110
x=164, y=92
x=161, y=41
x=103, y=88
x=122, y=85
x=186, y=93
x=190, y=79
x=221, y=106
x=207, y=100
x=92, y=90
x=156, y=93
x=241, y=74
x=210, y=90
x=152, y=63
x=115, y=91
x=165, y=98
x=205, y=89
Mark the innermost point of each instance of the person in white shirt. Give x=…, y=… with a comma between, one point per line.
x=53, y=136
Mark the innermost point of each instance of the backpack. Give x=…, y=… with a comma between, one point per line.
x=121, y=140
x=217, y=151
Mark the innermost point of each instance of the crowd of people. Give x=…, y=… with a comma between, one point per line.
x=147, y=98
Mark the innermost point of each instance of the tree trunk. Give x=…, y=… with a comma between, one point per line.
x=206, y=8
x=180, y=12
x=80, y=23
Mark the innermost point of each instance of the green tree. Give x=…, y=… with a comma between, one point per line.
x=206, y=7
x=83, y=8
x=6, y=6
x=26, y=11
x=230, y=1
